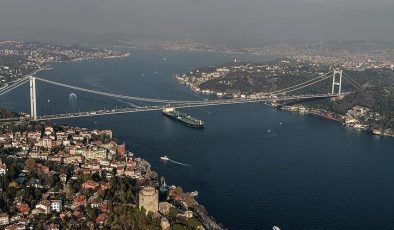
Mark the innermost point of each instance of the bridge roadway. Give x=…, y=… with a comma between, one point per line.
x=180, y=105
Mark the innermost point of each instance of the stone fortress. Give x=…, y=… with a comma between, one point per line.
x=148, y=198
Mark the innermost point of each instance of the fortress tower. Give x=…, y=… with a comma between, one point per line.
x=148, y=198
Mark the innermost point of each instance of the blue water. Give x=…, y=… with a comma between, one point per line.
x=307, y=173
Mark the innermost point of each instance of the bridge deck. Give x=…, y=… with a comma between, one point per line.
x=176, y=105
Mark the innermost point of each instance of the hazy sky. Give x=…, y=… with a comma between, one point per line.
x=211, y=19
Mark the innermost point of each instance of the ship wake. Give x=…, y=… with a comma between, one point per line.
x=179, y=163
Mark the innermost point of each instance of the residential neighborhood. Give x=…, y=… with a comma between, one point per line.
x=18, y=58
x=62, y=177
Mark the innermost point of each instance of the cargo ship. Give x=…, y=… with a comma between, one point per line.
x=184, y=118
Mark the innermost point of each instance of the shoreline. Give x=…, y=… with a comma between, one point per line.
x=194, y=87
x=125, y=165
x=202, y=214
x=373, y=131
x=201, y=50
x=41, y=70
x=50, y=67
x=313, y=112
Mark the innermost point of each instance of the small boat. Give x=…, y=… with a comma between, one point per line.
x=275, y=228
x=165, y=158
x=269, y=130
x=195, y=193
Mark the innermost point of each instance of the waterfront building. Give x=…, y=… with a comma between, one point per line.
x=121, y=149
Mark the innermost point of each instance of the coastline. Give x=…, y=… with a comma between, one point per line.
x=41, y=70
x=201, y=213
x=332, y=117
x=313, y=111
x=310, y=111
x=203, y=193
x=92, y=171
x=195, y=80
x=49, y=67
x=199, y=50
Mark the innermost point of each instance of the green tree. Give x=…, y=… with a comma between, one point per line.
x=178, y=227
x=193, y=223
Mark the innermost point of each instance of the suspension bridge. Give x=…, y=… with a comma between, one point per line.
x=337, y=77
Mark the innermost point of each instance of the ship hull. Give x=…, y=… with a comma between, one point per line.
x=174, y=117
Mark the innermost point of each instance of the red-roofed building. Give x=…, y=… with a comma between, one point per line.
x=24, y=221
x=11, y=227
x=52, y=227
x=103, y=207
x=79, y=201
x=77, y=214
x=101, y=218
x=90, y=185
x=120, y=171
x=105, y=185
x=23, y=208
x=121, y=149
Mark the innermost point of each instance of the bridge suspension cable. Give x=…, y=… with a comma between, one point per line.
x=13, y=86
x=176, y=103
x=352, y=81
x=302, y=85
x=285, y=90
x=112, y=94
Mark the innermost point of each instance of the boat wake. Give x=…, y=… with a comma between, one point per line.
x=179, y=163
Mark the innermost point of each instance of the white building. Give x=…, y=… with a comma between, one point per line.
x=4, y=219
x=56, y=205
x=44, y=205
x=3, y=169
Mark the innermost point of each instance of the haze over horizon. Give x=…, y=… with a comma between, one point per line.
x=209, y=20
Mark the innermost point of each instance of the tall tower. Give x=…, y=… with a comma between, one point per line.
x=336, y=82
x=148, y=198
x=33, y=99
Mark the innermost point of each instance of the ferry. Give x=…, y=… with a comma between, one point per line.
x=164, y=158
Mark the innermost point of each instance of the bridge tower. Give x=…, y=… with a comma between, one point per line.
x=337, y=82
x=33, y=99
